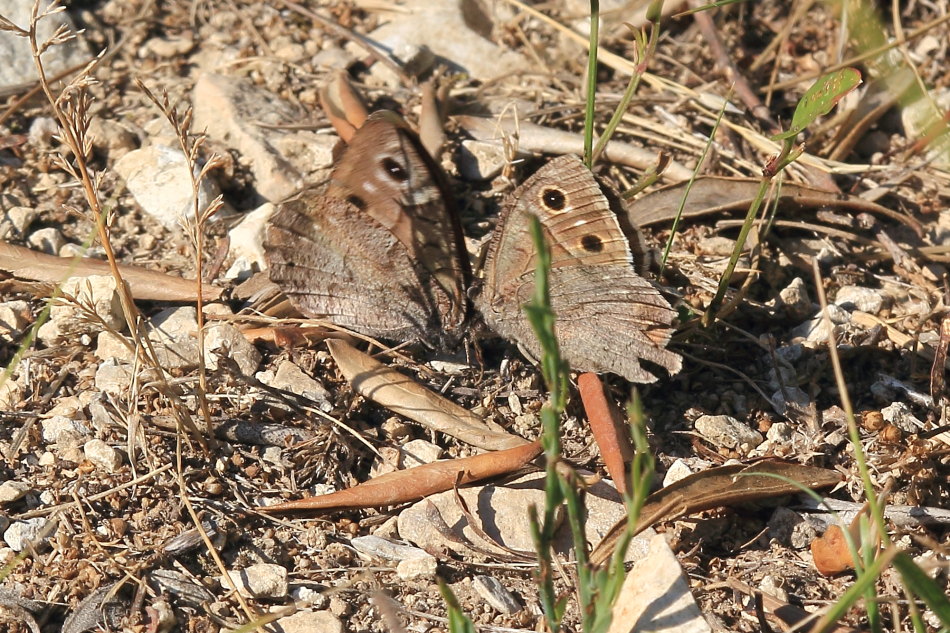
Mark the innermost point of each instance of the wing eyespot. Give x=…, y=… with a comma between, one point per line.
x=553, y=199
x=395, y=170
x=592, y=243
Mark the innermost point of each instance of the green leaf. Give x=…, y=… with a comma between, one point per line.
x=820, y=99
x=924, y=586
x=458, y=621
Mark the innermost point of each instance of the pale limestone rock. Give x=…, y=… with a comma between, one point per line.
x=225, y=340
x=158, y=178
x=102, y=455
x=260, y=580
x=662, y=604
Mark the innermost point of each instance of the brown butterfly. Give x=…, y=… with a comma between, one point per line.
x=380, y=251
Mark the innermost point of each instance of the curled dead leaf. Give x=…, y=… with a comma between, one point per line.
x=417, y=483
x=400, y=394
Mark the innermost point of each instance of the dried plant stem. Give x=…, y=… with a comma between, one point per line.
x=73, y=123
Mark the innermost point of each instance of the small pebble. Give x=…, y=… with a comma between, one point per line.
x=102, y=455
x=261, y=580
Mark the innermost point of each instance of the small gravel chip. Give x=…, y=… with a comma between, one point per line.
x=11, y=491
x=310, y=622
x=261, y=580
x=20, y=533
x=61, y=430
x=496, y=595
x=724, y=430
x=857, y=298
x=416, y=568
x=102, y=455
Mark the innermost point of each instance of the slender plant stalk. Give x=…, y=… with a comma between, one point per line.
x=591, y=82
x=646, y=48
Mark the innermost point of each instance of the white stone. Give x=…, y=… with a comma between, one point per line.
x=102, y=455
x=247, y=238
x=69, y=406
x=309, y=596
x=158, y=178
x=503, y=513
x=677, y=470
x=14, y=317
x=816, y=329
x=726, y=431
x=418, y=452
x=62, y=430
x=11, y=491
x=252, y=121
x=416, y=568
x=112, y=347
x=167, y=47
x=291, y=378
x=113, y=377
x=85, y=305
x=42, y=130
x=113, y=136
x=779, y=432
x=662, y=604
x=260, y=580
x=174, y=332
x=16, y=58
x=21, y=533
x=901, y=416
x=162, y=617
x=310, y=622
x=378, y=547
x=443, y=28
x=22, y=217
x=795, y=299
x=225, y=340
x=241, y=270
x=48, y=240
x=858, y=298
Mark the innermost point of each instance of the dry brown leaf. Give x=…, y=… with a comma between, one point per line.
x=417, y=483
x=146, y=285
x=716, y=194
x=723, y=486
x=607, y=426
x=830, y=552
x=400, y=394
x=343, y=105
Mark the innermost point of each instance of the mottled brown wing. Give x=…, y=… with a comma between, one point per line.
x=608, y=318
x=379, y=250
x=387, y=173
x=333, y=262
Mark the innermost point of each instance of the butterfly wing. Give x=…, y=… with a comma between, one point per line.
x=389, y=175
x=608, y=318
x=380, y=249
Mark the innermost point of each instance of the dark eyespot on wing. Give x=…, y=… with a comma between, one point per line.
x=592, y=243
x=395, y=170
x=356, y=201
x=553, y=199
